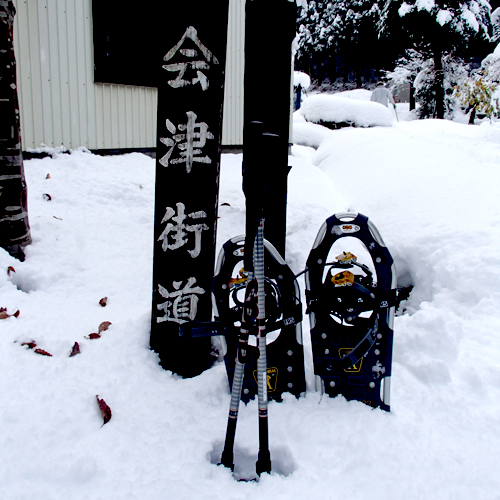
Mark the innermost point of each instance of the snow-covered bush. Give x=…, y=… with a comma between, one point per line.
x=407, y=67
x=476, y=94
x=480, y=93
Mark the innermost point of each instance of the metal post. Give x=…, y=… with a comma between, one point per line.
x=268, y=63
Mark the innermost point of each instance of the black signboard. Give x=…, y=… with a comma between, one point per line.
x=190, y=98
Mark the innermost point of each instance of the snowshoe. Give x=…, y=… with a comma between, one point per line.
x=351, y=312
x=285, y=352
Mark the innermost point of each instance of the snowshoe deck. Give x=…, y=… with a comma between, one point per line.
x=351, y=314
x=285, y=354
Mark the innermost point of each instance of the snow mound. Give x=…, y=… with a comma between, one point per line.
x=336, y=112
x=359, y=94
x=309, y=134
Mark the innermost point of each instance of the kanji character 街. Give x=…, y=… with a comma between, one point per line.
x=179, y=231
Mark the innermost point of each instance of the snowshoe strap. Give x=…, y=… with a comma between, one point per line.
x=204, y=329
x=211, y=329
x=294, y=319
x=362, y=348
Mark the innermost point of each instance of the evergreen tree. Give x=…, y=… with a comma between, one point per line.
x=332, y=32
x=490, y=67
x=446, y=28
x=495, y=25
x=417, y=67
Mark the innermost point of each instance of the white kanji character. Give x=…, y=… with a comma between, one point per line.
x=190, y=143
x=186, y=67
x=178, y=231
x=182, y=303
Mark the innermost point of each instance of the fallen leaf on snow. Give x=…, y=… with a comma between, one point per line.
x=48, y=176
x=10, y=270
x=5, y=315
x=47, y=197
x=104, y=326
x=103, y=302
x=105, y=410
x=94, y=336
x=75, y=350
x=31, y=345
x=42, y=352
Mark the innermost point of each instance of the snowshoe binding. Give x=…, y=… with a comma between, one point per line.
x=351, y=312
x=285, y=352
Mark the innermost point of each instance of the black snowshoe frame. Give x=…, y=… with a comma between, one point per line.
x=285, y=354
x=351, y=327
x=352, y=352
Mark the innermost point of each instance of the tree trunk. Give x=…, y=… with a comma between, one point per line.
x=472, y=116
x=14, y=225
x=439, y=79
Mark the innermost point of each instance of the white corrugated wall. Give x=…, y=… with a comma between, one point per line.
x=232, y=122
x=60, y=103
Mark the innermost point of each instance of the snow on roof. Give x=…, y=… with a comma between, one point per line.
x=331, y=108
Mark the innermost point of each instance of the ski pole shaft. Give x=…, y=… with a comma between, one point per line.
x=239, y=372
x=227, y=458
x=396, y=111
x=264, y=458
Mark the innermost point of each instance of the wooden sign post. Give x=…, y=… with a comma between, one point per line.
x=190, y=102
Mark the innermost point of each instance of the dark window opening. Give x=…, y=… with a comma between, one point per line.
x=125, y=48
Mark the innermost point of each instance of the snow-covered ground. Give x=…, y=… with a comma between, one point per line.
x=433, y=190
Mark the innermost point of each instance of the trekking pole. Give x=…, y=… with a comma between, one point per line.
x=264, y=457
x=247, y=323
x=227, y=458
x=256, y=177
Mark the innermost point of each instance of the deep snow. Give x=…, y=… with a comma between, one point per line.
x=433, y=190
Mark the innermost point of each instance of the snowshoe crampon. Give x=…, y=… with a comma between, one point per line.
x=285, y=352
x=351, y=311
